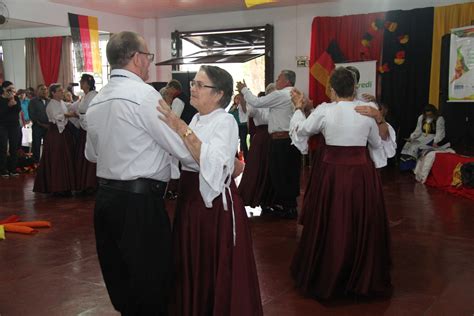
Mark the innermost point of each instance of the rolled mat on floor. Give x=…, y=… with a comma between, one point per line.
x=11, y=228
x=10, y=219
x=35, y=224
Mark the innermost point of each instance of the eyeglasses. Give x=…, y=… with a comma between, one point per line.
x=200, y=85
x=149, y=56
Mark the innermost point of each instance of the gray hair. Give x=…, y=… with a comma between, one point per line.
x=270, y=88
x=121, y=48
x=222, y=81
x=163, y=92
x=290, y=76
x=175, y=84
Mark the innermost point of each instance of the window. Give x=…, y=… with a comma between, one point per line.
x=100, y=79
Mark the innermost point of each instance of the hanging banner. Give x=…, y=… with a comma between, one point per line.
x=85, y=38
x=461, y=65
x=368, y=76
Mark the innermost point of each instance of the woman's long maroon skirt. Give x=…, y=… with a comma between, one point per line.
x=86, y=171
x=255, y=186
x=213, y=276
x=345, y=244
x=315, y=167
x=56, y=171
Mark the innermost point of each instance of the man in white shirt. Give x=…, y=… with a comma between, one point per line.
x=243, y=127
x=285, y=159
x=174, y=88
x=132, y=148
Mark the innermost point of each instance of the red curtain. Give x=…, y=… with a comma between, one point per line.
x=348, y=32
x=49, y=53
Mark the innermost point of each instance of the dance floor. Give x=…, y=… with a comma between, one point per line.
x=56, y=272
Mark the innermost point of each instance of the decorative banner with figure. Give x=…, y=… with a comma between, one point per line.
x=85, y=37
x=368, y=76
x=461, y=65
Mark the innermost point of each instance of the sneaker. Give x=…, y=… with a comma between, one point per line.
x=14, y=174
x=5, y=175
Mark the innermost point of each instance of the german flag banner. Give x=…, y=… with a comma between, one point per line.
x=85, y=37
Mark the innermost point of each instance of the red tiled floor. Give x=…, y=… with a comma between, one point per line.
x=56, y=272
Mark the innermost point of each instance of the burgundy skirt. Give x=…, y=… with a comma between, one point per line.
x=86, y=171
x=213, y=277
x=345, y=244
x=56, y=170
x=255, y=186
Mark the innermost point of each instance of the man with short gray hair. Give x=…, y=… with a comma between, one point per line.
x=285, y=159
x=132, y=150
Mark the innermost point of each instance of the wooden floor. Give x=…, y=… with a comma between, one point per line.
x=56, y=271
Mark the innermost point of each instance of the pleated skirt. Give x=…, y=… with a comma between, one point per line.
x=213, y=276
x=345, y=244
x=56, y=170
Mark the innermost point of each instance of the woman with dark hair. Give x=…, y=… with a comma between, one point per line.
x=86, y=178
x=429, y=131
x=56, y=172
x=10, y=107
x=214, y=261
x=345, y=246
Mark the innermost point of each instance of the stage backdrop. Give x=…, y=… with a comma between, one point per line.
x=368, y=73
x=461, y=65
x=405, y=86
x=349, y=33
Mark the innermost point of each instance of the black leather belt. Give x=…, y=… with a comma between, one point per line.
x=138, y=186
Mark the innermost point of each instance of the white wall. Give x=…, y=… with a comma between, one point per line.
x=15, y=70
x=292, y=27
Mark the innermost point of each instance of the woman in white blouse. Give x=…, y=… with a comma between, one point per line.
x=255, y=186
x=214, y=261
x=56, y=171
x=86, y=179
x=345, y=245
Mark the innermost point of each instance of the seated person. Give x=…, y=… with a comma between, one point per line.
x=429, y=133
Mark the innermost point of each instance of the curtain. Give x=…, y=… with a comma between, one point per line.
x=348, y=32
x=65, y=76
x=405, y=87
x=34, y=77
x=446, y=18
x=49, y=53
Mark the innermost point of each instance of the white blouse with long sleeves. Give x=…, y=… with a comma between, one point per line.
x=55, y=111
x=340, y=124
x=260, y=116
x=82, y=106
x=219, y=136
x=218, y=133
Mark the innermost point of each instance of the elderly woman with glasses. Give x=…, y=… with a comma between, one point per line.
x=214, y=261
